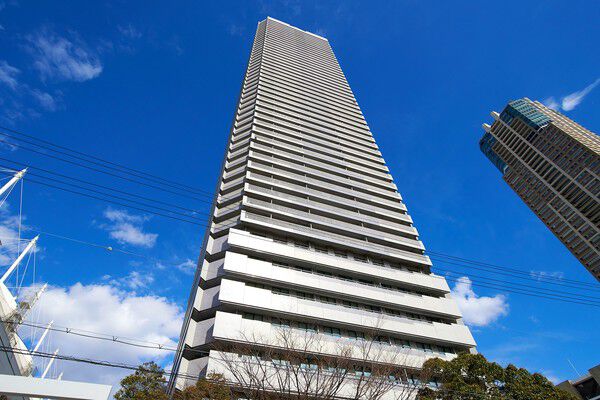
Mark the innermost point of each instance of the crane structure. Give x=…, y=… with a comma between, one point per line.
x=19, y=378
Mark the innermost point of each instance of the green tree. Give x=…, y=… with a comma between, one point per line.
x=147, y=383
x=471, y=376
x=213, y=387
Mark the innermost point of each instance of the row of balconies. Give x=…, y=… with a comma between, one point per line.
x=288, y=97
x=298, y=120
x=338, y=209
x=238, y=294
x=340, y=193
x=234, y=328
x=263, y=126
x=278, y=80
x=315, y=80
x=310, y=100
x=266, y=272
x=322, y=69
x=248, y=243
x=409, y=241
x=216, y=363
x=334, y=239
x=284, y=154
x=311, y=175
x=305, y=60
x=308, y=150
x=346, y=125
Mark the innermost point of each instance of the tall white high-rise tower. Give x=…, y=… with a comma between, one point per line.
x=308, y=226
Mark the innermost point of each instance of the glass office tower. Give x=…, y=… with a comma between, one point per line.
x=553, y=164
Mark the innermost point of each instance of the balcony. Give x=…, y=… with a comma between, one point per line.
x=343, y=228
x=248, y=243
x=286, y=152
x=267, y=126
x=396, y=210
x=311, y=143
x=238, y=294
x=294, y=169
x=267, y=272
x=340, y=209
x=333, y=238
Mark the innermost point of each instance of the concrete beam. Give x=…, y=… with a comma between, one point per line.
x=52, y=389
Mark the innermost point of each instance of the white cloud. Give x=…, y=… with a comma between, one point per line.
x=46, y=100
x=571, y=101
x=60, y=58
x=541, y=275
x=476, y=310
x=187, y=267
x=129, y=32
x=127, y=228
x=9, y=235
x=8, y=75
x=106, y=309
x=551, y=102
x=134, y=281
x=235, y=29
x=13, y=92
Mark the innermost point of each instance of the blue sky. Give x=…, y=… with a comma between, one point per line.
x=154, y=86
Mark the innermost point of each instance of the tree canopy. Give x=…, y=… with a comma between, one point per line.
x=471, y=376
x=213, y=387
x=147, y=383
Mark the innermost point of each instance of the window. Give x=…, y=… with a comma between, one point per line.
x=307, y=327
x=425, y=347
x=251, y=316
x=301, y=244
x=349, y=304
x=375, y=309
x=340, y=253
x=281, y=291
x=382, y=339
x=446, y=349
x=283, y=323
x=328, y=300
x=321, y=249
x=401, y=342
x=305, y=296
x=280, y=239
x=361, y=258
x=362, y=371
x=332, y=331
x=280, y=363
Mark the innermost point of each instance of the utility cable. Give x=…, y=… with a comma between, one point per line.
x=121, y=168
x=34, y=168
x=183, y=194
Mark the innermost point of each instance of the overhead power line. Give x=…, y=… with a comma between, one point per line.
x=515, y=270
x=525, y=276
x=181, y=192
x=17, y=135
x=32, y=168
x=479, y=281
x=112, y=364
x=193, y=222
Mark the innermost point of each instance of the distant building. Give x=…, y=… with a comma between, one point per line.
x=553, y=164
x=586, y=387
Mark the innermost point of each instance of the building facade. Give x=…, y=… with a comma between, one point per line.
x=586, y=387
x=308, y=226
x=553, y=164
